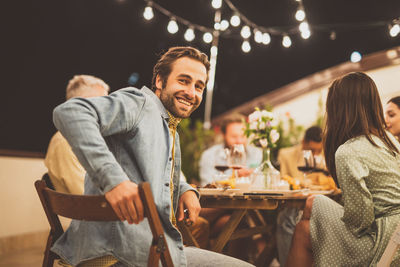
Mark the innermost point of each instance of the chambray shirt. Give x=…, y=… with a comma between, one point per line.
x=123, y=136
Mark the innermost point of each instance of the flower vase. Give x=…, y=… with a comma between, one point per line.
x=265, y=174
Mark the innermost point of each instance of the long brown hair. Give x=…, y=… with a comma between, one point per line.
x=353, y=108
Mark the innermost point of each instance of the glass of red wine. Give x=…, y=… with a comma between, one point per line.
x=237, y=158
x=221, y=164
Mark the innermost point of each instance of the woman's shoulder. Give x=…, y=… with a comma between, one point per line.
x=354, y=146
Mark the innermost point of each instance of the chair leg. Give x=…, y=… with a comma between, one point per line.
x=49, y=256
x=154, y=257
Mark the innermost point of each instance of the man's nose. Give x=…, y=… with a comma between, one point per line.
x=190, y=91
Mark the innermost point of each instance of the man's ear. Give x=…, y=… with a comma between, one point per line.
x=159, y=82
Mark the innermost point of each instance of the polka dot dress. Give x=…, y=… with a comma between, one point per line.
x=357, y=233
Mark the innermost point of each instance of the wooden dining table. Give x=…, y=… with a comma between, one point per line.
x=250, y=205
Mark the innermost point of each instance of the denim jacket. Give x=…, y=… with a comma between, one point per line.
x=123, y=136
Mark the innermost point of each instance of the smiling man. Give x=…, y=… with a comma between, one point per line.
x=127, y=138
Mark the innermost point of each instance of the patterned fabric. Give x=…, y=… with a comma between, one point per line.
x=172, y=125
x=357, y=233
x=105, y=261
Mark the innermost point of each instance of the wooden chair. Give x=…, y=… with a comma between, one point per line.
x=391, y=249
x=96, y=208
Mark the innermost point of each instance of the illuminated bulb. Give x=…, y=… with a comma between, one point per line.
x=216, y=3
x=258, y=36
x=332, y=35
x=224, y=25
x=189, y=35
x=355, y=57
x=304, y=26
x=286, y=42
x=246, y=46
x=245, y=32
x=214, y=51
x=217, y=26
x=300, y=15
x=148, y=13
x=172, y=26
x=305, y=34
x=207, y=37
x=266, y=38
x=235, y=20
x=394, y=30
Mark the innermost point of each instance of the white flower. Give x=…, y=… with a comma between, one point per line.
x=255, y=116
x=267, y=114
x=263, y=142
x=274, y=136
x=274, y=123
x=262, y=125
x=253, y=125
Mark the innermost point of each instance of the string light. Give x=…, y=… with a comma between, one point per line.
x=266, y=38
x=305, y=34
x=235, y=20
x=304, y=26
x=245, y=32
x=148, y=13
x=258, y=36
x=286, y=41
x=246, y=46
x=300, y=15
x=216, y=3
x=224, y=24
x=355, y=57
x=207, y=37
x=394, y=30
x=172, y=26
x=189, y=35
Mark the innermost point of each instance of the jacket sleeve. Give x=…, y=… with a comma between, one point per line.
x=86, y=122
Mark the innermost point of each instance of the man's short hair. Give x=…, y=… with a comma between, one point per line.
x=235, y=118
x=79, y=84
x=314, y=134
x=163, y=66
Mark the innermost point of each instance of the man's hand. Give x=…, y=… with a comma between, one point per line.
x=189, y=201
x=126, y=203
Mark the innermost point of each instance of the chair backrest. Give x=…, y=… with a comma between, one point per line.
x=391, y=249
x=96, y=208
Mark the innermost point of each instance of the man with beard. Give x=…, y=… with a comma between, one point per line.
x=127, y=138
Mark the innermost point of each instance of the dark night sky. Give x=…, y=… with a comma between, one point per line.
x=47, y=42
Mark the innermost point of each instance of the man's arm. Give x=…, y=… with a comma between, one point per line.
x=85, y=123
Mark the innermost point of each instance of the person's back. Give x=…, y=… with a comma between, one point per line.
x=64, y=169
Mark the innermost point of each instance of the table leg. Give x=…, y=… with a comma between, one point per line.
x=229, y=228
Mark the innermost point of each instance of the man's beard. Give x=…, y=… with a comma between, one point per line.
x=168, y=101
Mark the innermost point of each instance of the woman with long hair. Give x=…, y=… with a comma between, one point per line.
x=364, y=160
x=392, y=116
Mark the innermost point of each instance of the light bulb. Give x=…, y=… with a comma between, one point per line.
x=148, y=13
x=300, y=15
x=355, y=57
x=207, y=37
x=245, y=32
x=258, y=36
x=304, y=26
x=235, y=20
x=216, y=3
x=394, y=30
x=246, y=46
x=286, y=41
x=172, y=26
x=305, y=34
x=266, y=38
x=217, y=26
x=224, y=25
x=189, y=35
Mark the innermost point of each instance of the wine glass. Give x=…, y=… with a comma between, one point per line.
x=309, y=165
x=237, y=158
x=221, y=163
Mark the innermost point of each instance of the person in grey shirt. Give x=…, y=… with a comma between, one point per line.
x=232, y=129
x=127, y=138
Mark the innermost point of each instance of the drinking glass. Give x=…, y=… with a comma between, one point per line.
x=237, y=158
x=222, y=164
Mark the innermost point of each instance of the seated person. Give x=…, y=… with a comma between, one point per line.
x=392, y=118
x=127, y=138
x=232, y=130
x=64, y=169
x=290, y=158
x=364, y=160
